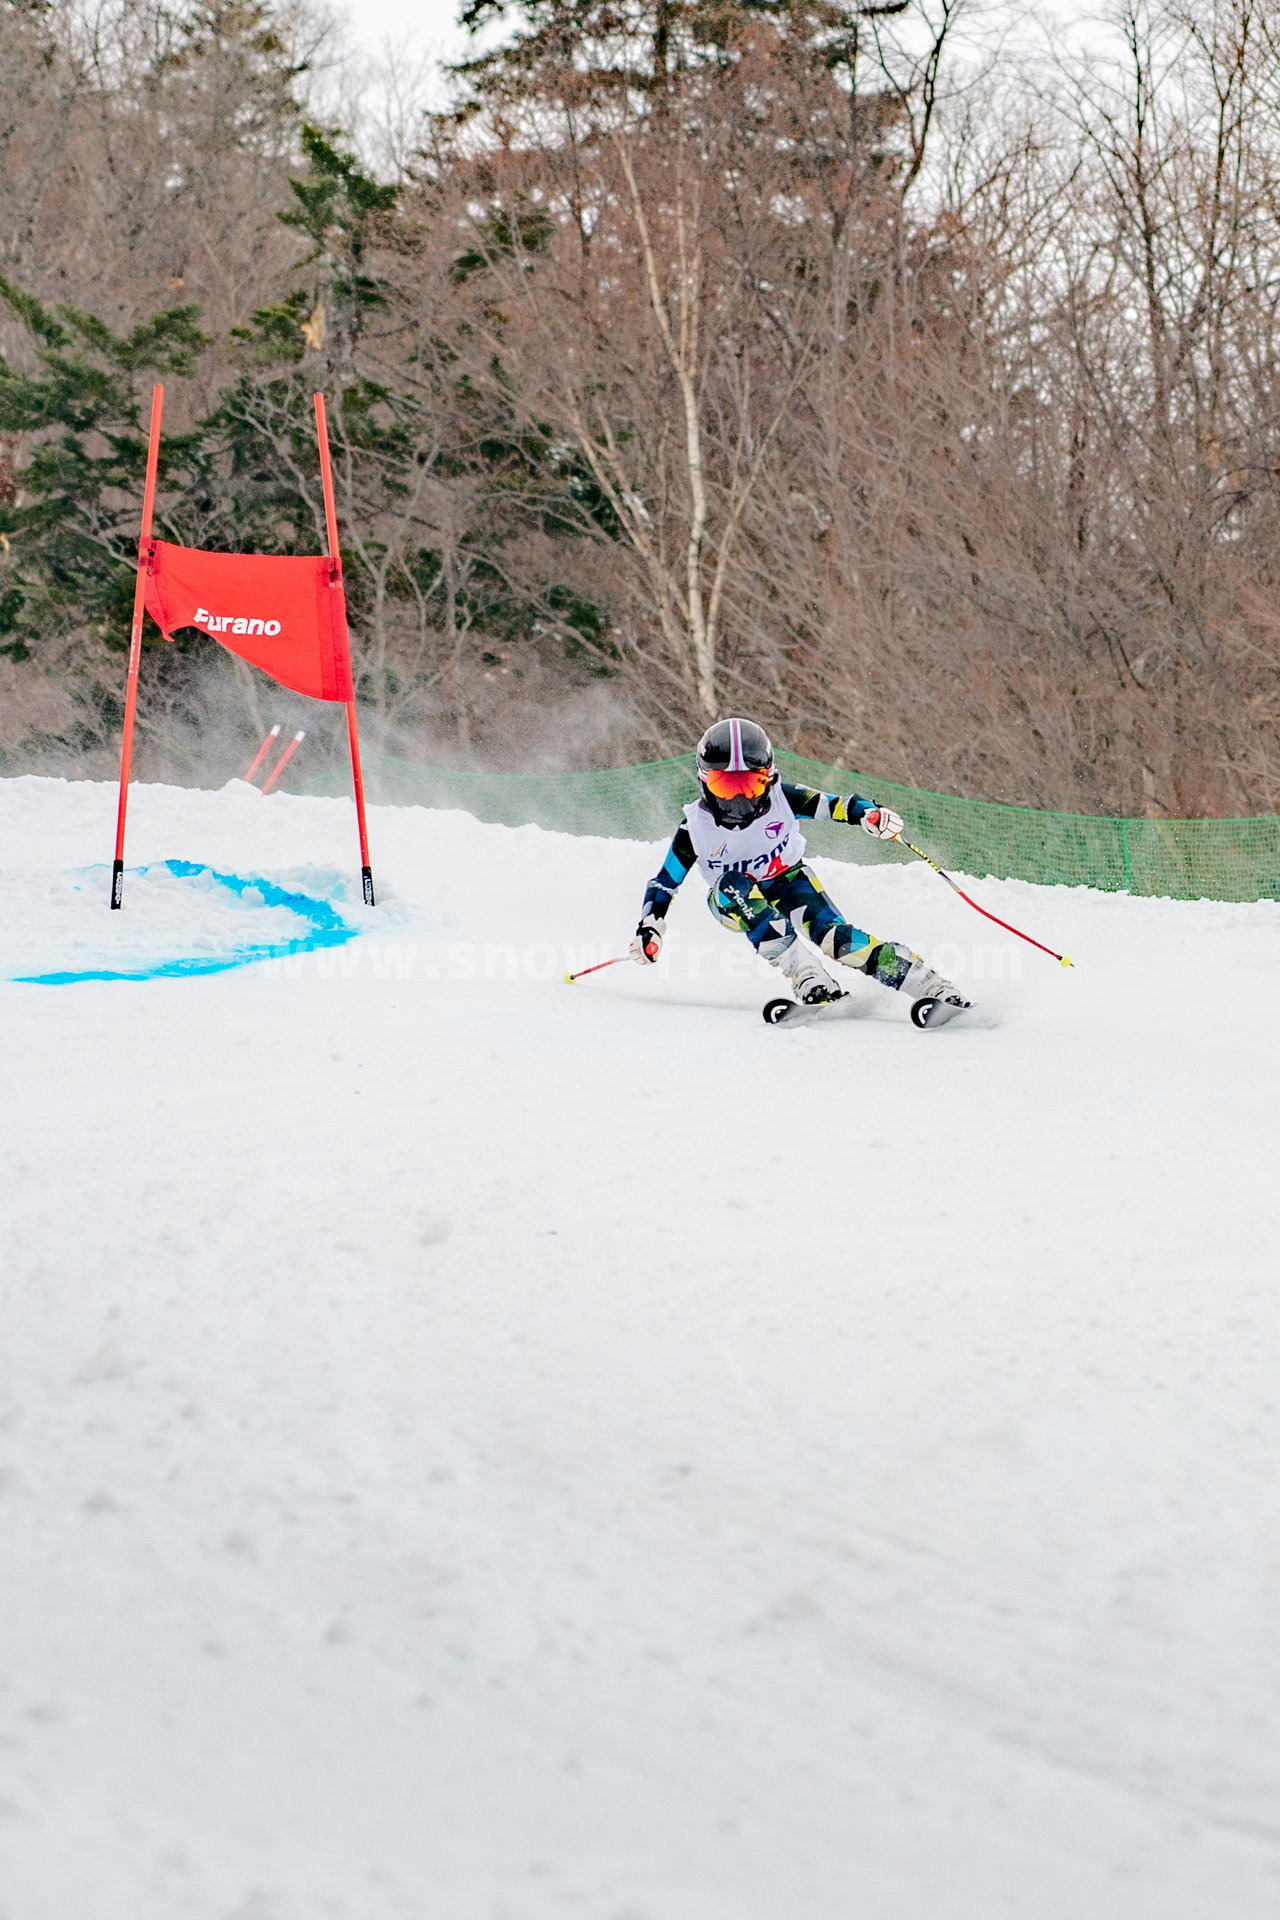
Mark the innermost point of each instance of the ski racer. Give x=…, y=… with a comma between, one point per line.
x=744, y=837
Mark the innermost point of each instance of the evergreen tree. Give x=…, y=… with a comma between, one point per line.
x=70, y=523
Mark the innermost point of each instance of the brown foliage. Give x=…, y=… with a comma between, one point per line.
x=980, y=493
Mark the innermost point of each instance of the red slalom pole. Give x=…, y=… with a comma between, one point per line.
x=598, y=968
x=135, y=642
x=353, y=735
x=262, y=752
x=357, y=784
x=283, y=761
x=1061, y=958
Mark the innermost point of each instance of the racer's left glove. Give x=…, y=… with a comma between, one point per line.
x=882, y=823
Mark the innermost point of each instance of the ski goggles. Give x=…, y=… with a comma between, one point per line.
x=751, y=784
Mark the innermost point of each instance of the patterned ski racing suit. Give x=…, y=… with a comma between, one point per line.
x=760, y=885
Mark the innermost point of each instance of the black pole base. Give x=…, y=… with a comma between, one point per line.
x=117, y=883
x=366, y=882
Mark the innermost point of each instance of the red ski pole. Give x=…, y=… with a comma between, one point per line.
x=263, y=751
x=1061, y=958
x=598, y=968
x=283, y=761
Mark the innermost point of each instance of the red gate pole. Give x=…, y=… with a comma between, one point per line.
x=263, y=751
x=331, y=527
x=284, y=760
x=135, y=642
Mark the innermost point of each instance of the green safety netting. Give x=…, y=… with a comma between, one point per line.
x=1180, y=859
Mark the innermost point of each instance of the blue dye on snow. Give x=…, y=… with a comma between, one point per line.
x=325, y=928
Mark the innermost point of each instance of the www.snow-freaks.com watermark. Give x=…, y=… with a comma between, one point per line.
x=373, y=958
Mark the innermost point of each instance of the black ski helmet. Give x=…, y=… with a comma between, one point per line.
x=732, y=757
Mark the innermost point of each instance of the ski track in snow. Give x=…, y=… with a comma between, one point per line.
x=474, y=1449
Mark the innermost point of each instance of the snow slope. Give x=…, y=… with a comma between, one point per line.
x=475, y=1449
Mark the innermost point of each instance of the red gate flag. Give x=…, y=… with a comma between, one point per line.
x=287, y=616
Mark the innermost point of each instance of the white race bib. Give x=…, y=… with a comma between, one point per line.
x=768, y=846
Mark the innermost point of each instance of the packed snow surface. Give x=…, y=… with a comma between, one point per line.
x=473, y=1448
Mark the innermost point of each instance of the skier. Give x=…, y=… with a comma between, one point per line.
x=744, y=837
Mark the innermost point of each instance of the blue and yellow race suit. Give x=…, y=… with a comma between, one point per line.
x=761, y=886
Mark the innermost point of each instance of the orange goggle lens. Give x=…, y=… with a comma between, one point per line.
x=749, y=785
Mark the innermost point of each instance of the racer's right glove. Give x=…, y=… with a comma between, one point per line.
x=647, y=944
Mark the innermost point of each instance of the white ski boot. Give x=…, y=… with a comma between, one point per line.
x=935, y=1000
x=810, y=980
x=920, y=982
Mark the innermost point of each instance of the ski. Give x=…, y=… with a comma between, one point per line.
x=793, y=1013
x=936, y=1013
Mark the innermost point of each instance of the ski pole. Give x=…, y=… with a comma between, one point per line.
x=262, y=752
x=920, y=854
x=598, y=968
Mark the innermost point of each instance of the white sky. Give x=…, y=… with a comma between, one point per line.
x=427, y=20
x=419, y=26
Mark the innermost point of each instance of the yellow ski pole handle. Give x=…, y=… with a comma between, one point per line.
x=955, y=887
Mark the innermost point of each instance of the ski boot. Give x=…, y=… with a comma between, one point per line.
x=934, y=1000
x=810, y=981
